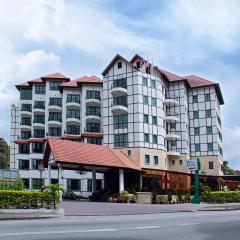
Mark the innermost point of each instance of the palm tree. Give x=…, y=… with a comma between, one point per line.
x=54, y=189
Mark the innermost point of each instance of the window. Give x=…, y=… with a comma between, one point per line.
x=35, y=163
x=54, y=116
x=173, y=143
x=120, y=101
x=120, y=121
x=92, y=94
x=180, y=162
x=146, y=137
x=210, y=147
x=209, y=130
x=195, y=114
x=94, y=111
x=207, y=97
x=37, y=183
x=155, y=139
x=24, y=148
x=54, y=132
x=147, y=159
x=26, y=107
x=73, y=130
x=129, y=152
x=26, y=121
x=25, y=94
x=93, y=127
x=23, y=164
x=25, y=134
x=39, y=89
x=54, y=86
x=145, y=100
x=39, y=105
x=197, y=147
x=156, y=162
x=138, y=64
x=145, y=82
x=154, y=120
x=210, y=165
x=154, y=102
x=73, y=98
x=121, y=140
x=97, y=141
x=173, y=162
x=37, y=147
x=119, y=64
x=89, y=185
x=220, y=135
x=55, y=102
x=195, y=98
x=219, y=120
x=39, y=119
x=26, y=183
x=38, y=133
x=73, y=185
x=154, y=83
x=196, y=131
x=208, y=113
x=146, y=120
x=73, y=114
x=172, y=125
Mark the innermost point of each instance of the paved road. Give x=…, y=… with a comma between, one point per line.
x=165, y=226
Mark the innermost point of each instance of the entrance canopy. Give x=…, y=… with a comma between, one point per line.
x=86, y=155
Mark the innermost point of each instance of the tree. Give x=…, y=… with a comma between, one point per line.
x=229, y=171
x=4, y=154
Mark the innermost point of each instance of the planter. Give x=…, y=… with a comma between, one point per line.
x=144, y=197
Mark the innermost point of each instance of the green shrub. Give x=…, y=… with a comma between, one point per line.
x=16, y=184
x=162, y=199
x=132, y=198
x=221, y=197
x=26, y=199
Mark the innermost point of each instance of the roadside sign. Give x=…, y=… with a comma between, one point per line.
x=192, y=165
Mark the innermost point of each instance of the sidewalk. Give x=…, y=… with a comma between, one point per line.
x=78, y=208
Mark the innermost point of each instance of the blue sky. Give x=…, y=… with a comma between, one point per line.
x=80, y=37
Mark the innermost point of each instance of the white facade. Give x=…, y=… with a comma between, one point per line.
x=158, y=119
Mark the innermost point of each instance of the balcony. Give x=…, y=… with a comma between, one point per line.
x=55, y=122
x=73, y=120
x=73, y=104
x=39, y=109
x=25, y=125
x=119, y=106
x=119, y=88
x=26, y=112
x=39, y=125
x=172, y=135
x=171, y=118
x=173, y=151
x=93, y=102
x=55, y=108
x=171, y=101
x=92, y=116
x=93, y=130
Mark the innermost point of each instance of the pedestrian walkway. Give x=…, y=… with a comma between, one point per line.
x=79, y=208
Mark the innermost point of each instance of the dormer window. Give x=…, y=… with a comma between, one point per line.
x=138, y=64
x=119, y=65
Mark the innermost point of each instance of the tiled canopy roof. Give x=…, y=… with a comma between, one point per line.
x=195, y=81
x=91, y=79
x=65, y=151
x=56, y=75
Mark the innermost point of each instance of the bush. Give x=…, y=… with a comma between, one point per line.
x=132, y=198
x=16, y=184
x=221, y=197
x=26, y=199
x=162, y=199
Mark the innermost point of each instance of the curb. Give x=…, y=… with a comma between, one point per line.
x=218, y=207
x=11, y=214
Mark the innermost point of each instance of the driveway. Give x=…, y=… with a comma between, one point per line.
x=81, y=208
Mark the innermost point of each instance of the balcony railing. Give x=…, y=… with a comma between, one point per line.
x=93, y=113
x=93, y=129
x=56, y=119
x=39, y=106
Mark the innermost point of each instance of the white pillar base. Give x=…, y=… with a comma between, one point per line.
x=121, y=180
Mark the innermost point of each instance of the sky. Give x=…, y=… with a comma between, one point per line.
x=78, y=37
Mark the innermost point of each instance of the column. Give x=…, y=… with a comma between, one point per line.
x=121, y=180
x=141, y=182
x=60, y=175
x=49, y=174
x=93, y=180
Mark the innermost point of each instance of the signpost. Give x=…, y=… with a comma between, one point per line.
x=194, y=165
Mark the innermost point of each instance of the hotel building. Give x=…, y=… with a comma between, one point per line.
x=158, y=119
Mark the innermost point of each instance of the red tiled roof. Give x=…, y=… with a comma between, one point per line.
x=169, y=76
x=30, y=140
x=91, y=79
x=72, y=83
x=37, y=80
x=88, y=134
x=70, y=137
x=86, y=154
x=195, y=81
x=22, y=85
x=56, y=75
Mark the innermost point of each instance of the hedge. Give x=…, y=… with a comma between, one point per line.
x=26, y=199
x=221, y=197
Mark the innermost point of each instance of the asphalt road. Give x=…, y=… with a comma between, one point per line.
x=185, y=225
